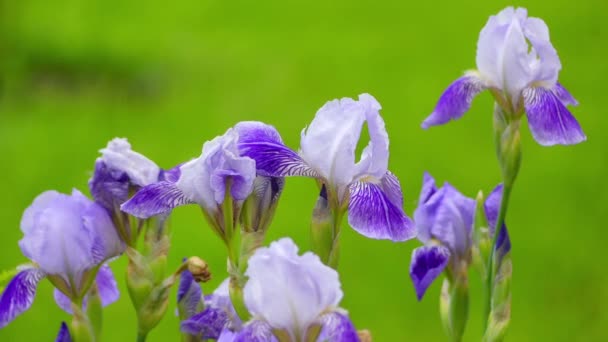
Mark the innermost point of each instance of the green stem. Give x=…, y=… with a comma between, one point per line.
x=504, y=204
x=141, y=337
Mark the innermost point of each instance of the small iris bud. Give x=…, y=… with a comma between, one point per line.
x=199, y=269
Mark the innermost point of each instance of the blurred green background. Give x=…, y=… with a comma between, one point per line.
x=171, y=75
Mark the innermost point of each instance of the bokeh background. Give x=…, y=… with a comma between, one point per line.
x=171, y=75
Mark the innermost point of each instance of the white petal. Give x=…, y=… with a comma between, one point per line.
x=287, y=290
x=119, y=156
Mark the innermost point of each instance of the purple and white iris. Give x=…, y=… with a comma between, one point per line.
x=120, y=171
x=327, y=152
x=288, y=294
x=220, y=173
x=444, y=219
x=68, y=238
x=518, y=64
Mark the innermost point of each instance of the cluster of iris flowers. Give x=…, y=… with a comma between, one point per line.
x=276, y=293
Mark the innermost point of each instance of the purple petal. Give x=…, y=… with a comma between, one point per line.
x=256, y=331
x=427, y=264
x=64, y=334
x=155, y=199
x=206, y=324
x=109, y=187
x=564, y=95
x=337, y=327
x=491, y=208
x=262, y=143
x=550, y=121
x=19, y=294
x=106, y=286
x=392, y=188
x=63, y=301
x=189, y=295
x=372, y=213
x=172, y=175
x=455, y=100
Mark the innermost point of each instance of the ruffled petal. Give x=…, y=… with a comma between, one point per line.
x=19, y=294
x=455, y=100
x=119, y=156
x=544, y=62
x=328, y=144
x=262, y=143
x=427, y=264
x=155, y=199
x=64, y=334
x=550, y=121
x=372, y=213
x=207, y=324
x=337, y=327
x=303, y=281
x=255, y=331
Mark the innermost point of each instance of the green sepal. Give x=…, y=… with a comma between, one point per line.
x=454, y=306
x=500, y=314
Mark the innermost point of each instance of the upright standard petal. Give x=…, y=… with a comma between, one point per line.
x=455, y=100
x=328, y=144
x=374, y=158
x=427, y=264
x=372, y=213
x=278, y=275
x=119, y=156
x=64, y=334
x=550, y=121
x=263, y=143
x=337, y=327
x=19, y=294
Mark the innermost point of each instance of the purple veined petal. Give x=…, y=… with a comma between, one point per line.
x=491, y=208
x=455, y=100
x=172, y=175
x=189, y=295
x=109, y=187
x=427, y=264
x=550, y=121
x=262, y=143
x=255, y=331
x=564, y=95
x=19, y=294
x=337, y=327
x=207, y=324
x=227, y=335
x=64, y=334
x=63, y=301
x=155, y=199
x=392, y=188
x=372, y=214
x=106, y=285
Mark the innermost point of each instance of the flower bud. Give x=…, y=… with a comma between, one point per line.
x=199, y=269
x=454, y=306
x=508, y=144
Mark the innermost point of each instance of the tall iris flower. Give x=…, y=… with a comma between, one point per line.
x=219, y=174
x=371, y=193
x=518, y=64
x=444, y=220
x=68, y=238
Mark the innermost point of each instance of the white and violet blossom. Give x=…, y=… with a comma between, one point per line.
x=518, y=64
x=362, y=184
x=68, y=238
x=444, y=220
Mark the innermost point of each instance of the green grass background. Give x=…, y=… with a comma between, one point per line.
x=171, y=75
